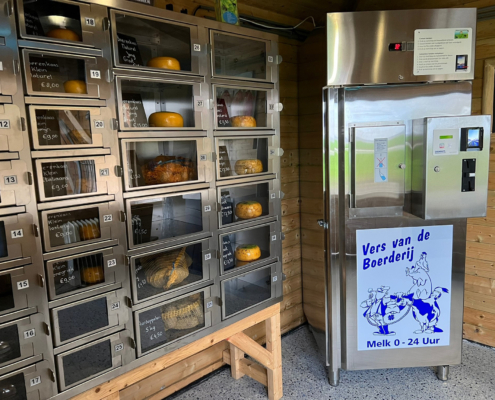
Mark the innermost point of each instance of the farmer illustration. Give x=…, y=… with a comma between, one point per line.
x=422, y=282
x=381, y=309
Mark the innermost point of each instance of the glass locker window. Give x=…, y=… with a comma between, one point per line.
x=244, y=247
x=10, y=348
x=68, y=178
x=157, y=104
x=87, y=362
x=238, y=157
x=166, y=217
x=161, y=162
x=73, y=226
x=171, y=321
x=244, y=203
x=3, y=240
x=160, y=272
x=13, y=388
x=239, y=56
x=56, y=74
x=82, y=319
x=52, y=19
x=63, y=127
x=246, y=291
x=6, y=293
x=151, y=43
x=241, y=108
x=77, y=273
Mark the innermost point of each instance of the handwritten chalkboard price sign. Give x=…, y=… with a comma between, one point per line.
x=133, y=111
x=227, y=207
x=128, y=50
x=223, y=119
x=227, y=253
x=151, y=329
x=224, y=161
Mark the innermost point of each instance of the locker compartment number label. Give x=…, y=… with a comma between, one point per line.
x=119, y=347
x=107, y=218
x=10, y=180
x=274, y=237
x=90, y=21
x=111, y=263
x=18, y=233
x=197, y=47
x=35, y=381
x=115, y=306
x=95, y=74
x=4, y=123
x=30, y=334
x=99, y=124
x=105, y=172
x=207, y=208
x=207, y=256
x=23, y=284
x=275, y=279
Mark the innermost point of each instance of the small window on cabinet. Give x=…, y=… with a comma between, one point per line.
x=241, y=108
x=63, y=127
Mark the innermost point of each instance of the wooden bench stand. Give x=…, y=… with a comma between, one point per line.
x=268, y=372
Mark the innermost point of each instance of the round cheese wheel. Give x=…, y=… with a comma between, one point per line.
x=75, y=86
x=243, y=121
x=164, y=63
x=164, y=119
x=248, y=209
x=92, y=275
x=247, y=252
x=64, y=34
x=244, y=167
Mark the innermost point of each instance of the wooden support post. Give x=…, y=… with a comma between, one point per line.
x=236, y=356
x=274, y=345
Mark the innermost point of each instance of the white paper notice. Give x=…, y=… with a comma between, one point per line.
x=442, y=51
x=381, y=160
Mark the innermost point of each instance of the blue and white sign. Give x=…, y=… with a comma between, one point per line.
x=404, y=280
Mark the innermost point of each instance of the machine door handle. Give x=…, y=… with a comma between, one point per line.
x=402, y=166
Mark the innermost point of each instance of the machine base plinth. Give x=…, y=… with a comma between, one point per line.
x=443, y=372
x=333, y=376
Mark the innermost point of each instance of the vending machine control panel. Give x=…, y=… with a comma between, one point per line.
x=450, y=167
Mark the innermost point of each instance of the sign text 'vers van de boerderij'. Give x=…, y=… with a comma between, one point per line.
x=404, y=286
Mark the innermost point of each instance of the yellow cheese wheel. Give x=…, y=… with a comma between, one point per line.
x=244, y=167
x=64, y=34
x=75, y=86
x=92, y=275
x=243, y=121
x=247, y=252
x=248, y=209
x=164, y=63
x=166, y=119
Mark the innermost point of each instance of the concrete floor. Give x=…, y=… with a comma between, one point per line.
x=305, y=378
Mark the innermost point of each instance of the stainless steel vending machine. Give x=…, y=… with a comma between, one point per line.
x=404, y=165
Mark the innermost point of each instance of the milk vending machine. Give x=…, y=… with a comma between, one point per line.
x=405, y=164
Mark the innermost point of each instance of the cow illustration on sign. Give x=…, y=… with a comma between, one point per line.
x=383, y=310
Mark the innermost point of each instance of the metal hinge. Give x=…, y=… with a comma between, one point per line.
x=284, y=277
x=122, y=216
x=213, y=156
x=29, y=178
x=118, y=171
x=16, y=66
x=36, y=230
x=110, y=75
x=23, y=124
x=323, y=223
x=127, y=261
x=9, y=8
x=275, y=151
x=52, y=375
x=105, y=24
x=128, y=301
x=46, y=329
x=282, y=236
x=278, y=107
x=115, y=124
x=132, y=343
x=41, y=280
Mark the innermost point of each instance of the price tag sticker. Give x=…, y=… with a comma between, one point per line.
x=17, y=233
x=95, y=74
x=90, y=21
x=10, y=180
x=105, y=172
x=35, y=381
x=112, y=263
x=4, y=123
x=99, y=124
x=115, y=306
x=30, y=334
x=107, y=218
x=23, y=284
x=119, y=347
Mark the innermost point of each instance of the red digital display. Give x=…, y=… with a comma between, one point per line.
x=395, y=47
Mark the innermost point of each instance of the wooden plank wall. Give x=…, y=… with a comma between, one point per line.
x=479, y=299
x=179, y=375
x=312, y=74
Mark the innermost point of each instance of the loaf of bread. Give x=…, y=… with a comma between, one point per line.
x=184, y=314
x=247, y=252
x=167, y=269
x=248, y=209
x=168, y=169
x=245, y=167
